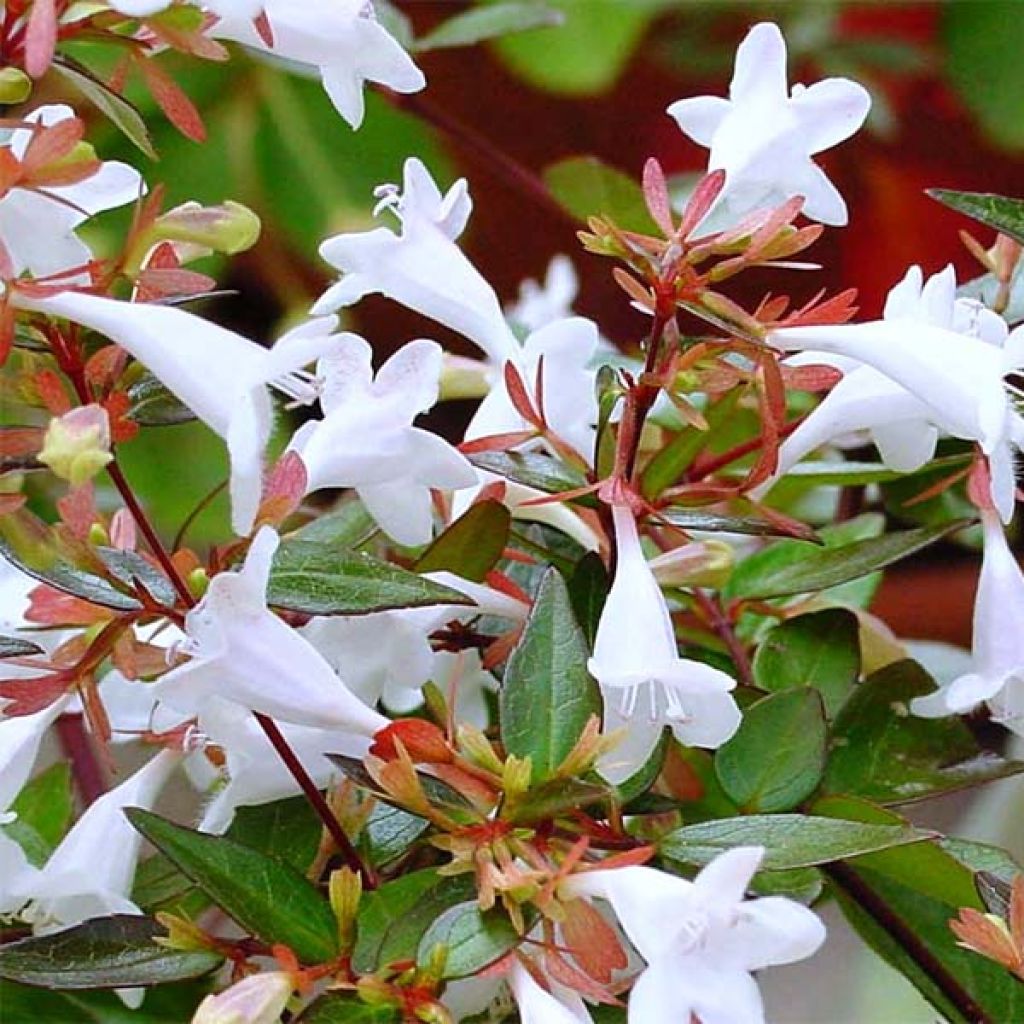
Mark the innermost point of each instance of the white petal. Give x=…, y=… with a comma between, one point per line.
x=661, y=994
x=830, y=111
x=773, y=930
x=724, y=880
x=760, y=70
x=411, y=376
x=247, y=437
x=905, y=446
x=700, y=116
x=432, y=461
x=822, y=200
x=539, y=1007
x=402, y=509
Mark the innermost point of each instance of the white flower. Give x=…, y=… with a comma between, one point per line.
x=342, y=38
x=702, y=939
x=538, y=1006
x=90, y=873
x=997, y=655
x=421, y=267
x=241, y=651
x=258, y=999
x=932, y=363
x=367, y=441
x=37, y=226
x=540, y=304
x=646, y=685
x=763, y=136
x=221, y=376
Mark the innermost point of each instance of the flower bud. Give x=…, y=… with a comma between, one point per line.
x=15, y=85
x=345, y=888
x=77, y=445
x=462, y=377
x=258, y=999
x=424, y=741
x=228, y=228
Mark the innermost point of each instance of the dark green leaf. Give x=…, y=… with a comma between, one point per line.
x=555, y=797
x=128, y=566
x=107, y=952
x=481, y=23
x=160, y=886
x=317, y=580
x=154, y=406
x=820, y=650
x=389, y=832
x=792, y=567
x=716, y=522
x=884, y=753
x=645, y=776
x=532, y=469
x=43, y=808
x=286, y=829
x=13, y=647
x=777, y=756
x=474, y=939
x=588, y=588
x=547, y=695
x=110, y=103
x=588, y=187
x=1000, y=212
x=165, y=1004
x=472, y=545
x=346, y=526
x=394, y=918
x=790, y=840
x=267, y=897
x=346, y=1008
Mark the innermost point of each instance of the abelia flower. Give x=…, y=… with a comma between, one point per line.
x=934, y=362
x=540, y=304
x=258, y=999
x=997, y=656
x=367, y=440
x=764, y=136
x=341, y=38
x=241, y=651
x=221, y=376
x=645, y=683
x=701, y=940
x=538, y=1005
x=38, y=224
x=421, y=267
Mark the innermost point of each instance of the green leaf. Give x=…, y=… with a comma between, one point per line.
x=532, y=469
x=154, y=406
x=556, y=797
x=309, y=577
x=107, y=952
x=14, y=647
x=482, y=23
x=346, y=526
x=474, y=939
x=790, y=840
x=588, y=589
x=346, y=1008
x=777, y=756
x=716, y=522
x=820, y=650
x=587, y=187
x=394, y=918
x=267, y=897
x=389, y=832
x=114, y=106
x=160, y=886
x=791, y=567
x=884, y=753
x=44, y=808
x=472, y=545
x=1000, y=212
x=165, y=1004
x=129, y=566
x=824, y=473
x=286, y=829
x=547, y=695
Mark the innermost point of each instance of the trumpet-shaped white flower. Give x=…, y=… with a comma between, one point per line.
x=37, y=226
x=421, y=267
x=932, y=363
x=997, y=655
x=702, y=939
x=342, y=38
x=224, y=8
x=258, y=999
x=241, y=651
x=221, y=376
x=646, y=685
x=367, y=441
x=538, y=1006
x=540, y=304
x=90, y=873
x=764, y=136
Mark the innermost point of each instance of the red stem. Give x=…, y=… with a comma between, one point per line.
x=86, y=770
x=712, y=609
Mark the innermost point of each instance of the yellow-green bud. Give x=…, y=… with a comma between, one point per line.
x=462, y=377
x=229, y=228
x=345, y=888
x=76, y=446
x=198, y=582
x=706, y=563
x=98, y=535
x=15, y=85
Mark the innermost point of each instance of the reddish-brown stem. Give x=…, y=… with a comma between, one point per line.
x=711, y=608
x=316, y=798
x=704, y=469
x=86, y=770
x=644, y=394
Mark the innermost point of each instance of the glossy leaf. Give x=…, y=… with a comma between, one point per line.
x=346, y=1008
x=288, y=830
x=317, y=580
x=587, y=187
x=479, y=24
x=547, y=694
x=588, y=589
x=532, y=469
x=777, y=756
x=716, y=522
x=107, y=952
x=15, y=647
x=820, y=650
x=474, y=939
x=389, y=832
x=472, y=545
x=44, y=809
x=154, y=406
x=268, y=897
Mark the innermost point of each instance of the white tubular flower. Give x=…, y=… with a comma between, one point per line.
x=421, y=267
x=342, y=38
x=258, y=999
x=541, y=304
x=37, y=226
x=702, y=939
x=646, y=685
x=538, y=1006
x=367, y=439
x=932, y=363
x=243, y=652
x=764, y=136
x=221, y=376
x=139, y=8
x=90, y=873
x=997, y=670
